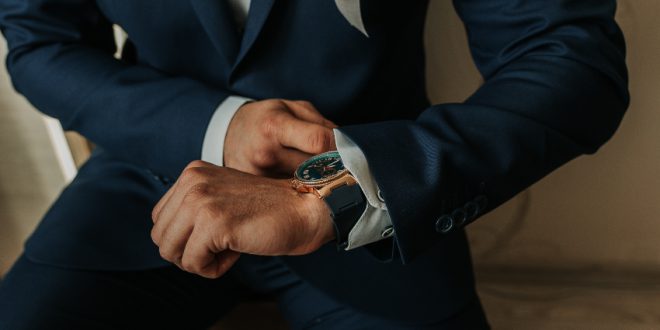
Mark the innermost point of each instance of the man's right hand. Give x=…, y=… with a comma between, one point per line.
x=272, y=137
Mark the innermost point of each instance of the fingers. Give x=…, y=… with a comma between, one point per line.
x=290, y=159
x=163, y=213
x=307, y=137
x=306, y=111
x=188, y=183
x=199, y=256
x=260, y=130
x=175, y=235
x=170, y=203
x=155, y=213
x=178, y=219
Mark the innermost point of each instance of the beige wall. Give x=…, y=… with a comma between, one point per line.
x=577, y=250
x=30, y=178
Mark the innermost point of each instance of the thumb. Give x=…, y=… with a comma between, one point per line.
x=307, y=112
x=305, y=136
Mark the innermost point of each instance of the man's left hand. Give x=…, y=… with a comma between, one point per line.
x=213, y=214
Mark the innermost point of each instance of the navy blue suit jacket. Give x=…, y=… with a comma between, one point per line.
x=555, y=88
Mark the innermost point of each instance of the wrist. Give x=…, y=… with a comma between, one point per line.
x=335, y=194
x=320, y=218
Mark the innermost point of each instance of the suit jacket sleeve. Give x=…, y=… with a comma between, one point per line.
x=61, y=58
x=555, y=88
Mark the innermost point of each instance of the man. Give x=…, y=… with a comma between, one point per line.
x=260, y=91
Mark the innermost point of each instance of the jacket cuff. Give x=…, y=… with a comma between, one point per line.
x=374, y=223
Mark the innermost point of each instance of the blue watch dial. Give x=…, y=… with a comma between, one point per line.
x=320, y=167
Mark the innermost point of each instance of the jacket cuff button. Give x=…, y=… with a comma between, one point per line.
x=380, y=196
x=444, y=224
x=387, y=232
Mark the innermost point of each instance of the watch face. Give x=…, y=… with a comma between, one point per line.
x=320, y=168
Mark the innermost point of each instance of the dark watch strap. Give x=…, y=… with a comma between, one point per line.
x=347, y=203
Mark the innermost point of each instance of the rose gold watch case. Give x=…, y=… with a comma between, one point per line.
x=325, y=187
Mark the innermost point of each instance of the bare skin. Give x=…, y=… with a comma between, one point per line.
x=272, y=137
x=213, y=214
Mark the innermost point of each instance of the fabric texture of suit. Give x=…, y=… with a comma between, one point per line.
x=555, y=88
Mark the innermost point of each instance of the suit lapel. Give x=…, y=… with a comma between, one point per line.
x=259, y=10
x=216, y=18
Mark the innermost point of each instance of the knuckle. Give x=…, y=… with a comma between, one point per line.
x=319, y=141
x=306, y=104
x=190, y=265
x=264, y=158
x=155, y=237
x=199, y=190
x=274, y=105
x=192, y=173
x=196, y=163
x=271, y=102
x=165, y=254
x=154, y=214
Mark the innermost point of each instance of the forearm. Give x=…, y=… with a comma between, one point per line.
x=549, y=96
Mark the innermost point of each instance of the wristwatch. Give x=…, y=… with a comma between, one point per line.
x=325, y=176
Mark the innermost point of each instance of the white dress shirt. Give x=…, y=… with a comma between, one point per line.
x=373, y=225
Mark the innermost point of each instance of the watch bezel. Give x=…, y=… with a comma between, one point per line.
x=323, y=181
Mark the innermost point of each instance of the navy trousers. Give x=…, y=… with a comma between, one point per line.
x=38, y=296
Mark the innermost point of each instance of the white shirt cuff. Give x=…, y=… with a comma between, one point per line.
x=375, y=223
x=216, y=131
